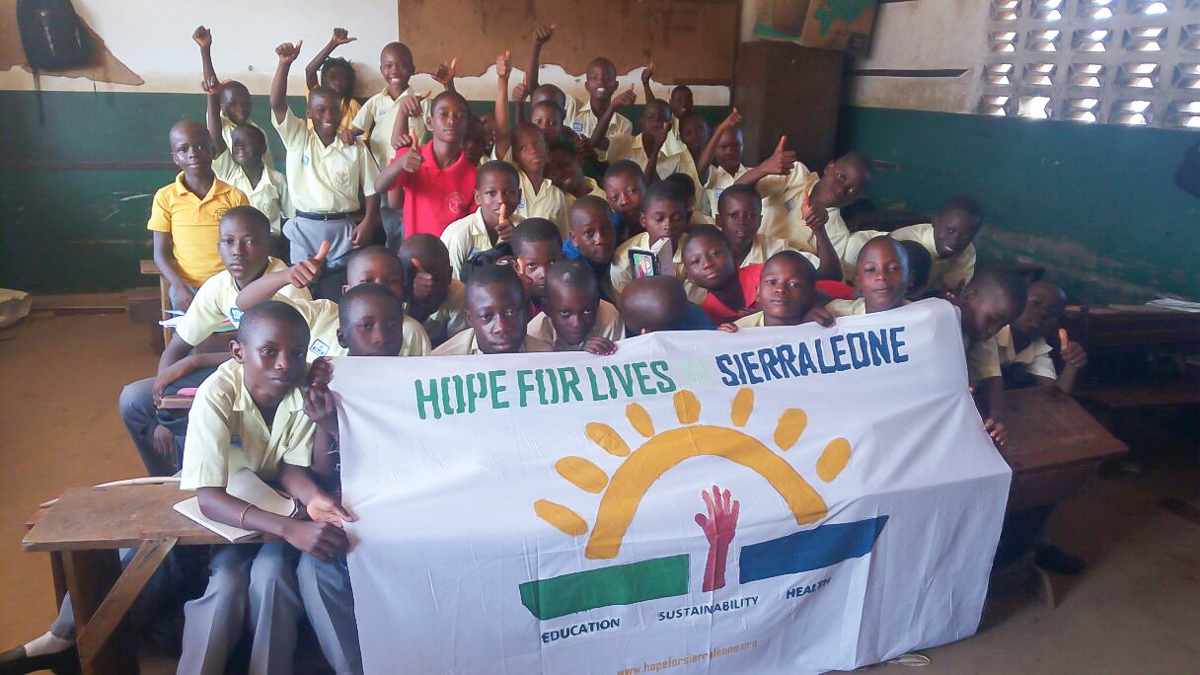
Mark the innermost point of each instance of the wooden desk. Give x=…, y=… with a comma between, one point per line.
x=150, y=268
x=82, y=531
x=1054, y=446
x=1137, y=326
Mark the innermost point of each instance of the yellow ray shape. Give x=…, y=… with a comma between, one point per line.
x=566, y=520
x=833, y=459
x=687, y=407
x=582, y=474
x=640, y=419
x=791, y=424
x=605, y=437
x=743, y=405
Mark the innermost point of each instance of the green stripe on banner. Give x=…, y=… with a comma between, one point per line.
x=618, y=585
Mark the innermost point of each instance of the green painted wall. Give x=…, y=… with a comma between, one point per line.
x=75, y=190
x=1096, y=204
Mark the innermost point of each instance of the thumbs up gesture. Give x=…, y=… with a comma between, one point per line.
x=305, y=272
x=1072, y=353
x=504, y=225
x=815, y=218
x=504, y=66
x=781, y=161
x=412, y=105
x=422, y=285
x=411, y=161
x=625, y=98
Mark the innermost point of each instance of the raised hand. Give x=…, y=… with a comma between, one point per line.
x=520, y=92
x=341, y=37
x=305, y=272
x=732, y=121
x=411, y=161
x=543, y=34
x=504, y=225
x=412, y=105
x=625, y=98
x=647, y=74
x=1072, y=352
x=600, y=346
x=781, y=161
x=445, y=72
x=287, y=52
x=815, y=218
x=422, y=285
x=203, y=37
x=320, y=373
x=719, y=526
x=504, y=66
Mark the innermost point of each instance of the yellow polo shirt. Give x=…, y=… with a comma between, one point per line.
x=270, y=195
x=323, y=323
x=718, y=180
x=216, y=302
x=451, y=318
x=847, y=307
x=465, y=344
x=983, y=359
x=226, y=432
x=227, y=127
x=467, y=235
x=608, y=325
x=673, y=157
x=594, y=190
x=946, y=273
x=755, y=320
x=764, y=247
x=377, y=119
x=548, y=202
x=1035, y=356
x=783, y=200
x=698, y=218
x=193, y=224
x=583, y=121
x=324, y=179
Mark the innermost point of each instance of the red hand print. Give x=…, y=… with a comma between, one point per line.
x=718, y=526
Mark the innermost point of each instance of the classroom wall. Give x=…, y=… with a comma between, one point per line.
x=1094, y=203
x=80, y=161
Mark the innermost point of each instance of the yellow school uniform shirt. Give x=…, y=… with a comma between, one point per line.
x=946, y=273
x=451, y=318
x=227, y=127
x=594, y=190
x=465, y=344
x=1035, y=356
x=718, y=180
x=323, y=322
x=216, y=302
x=324, y=179
x=608, y=325
x=983, y=359
x=847, y=307
x=783, y=200
x=377, y=119
x=620, y=272
x=226, y=432
x=755, y=320
x=270, y=195
x=350, y=108
x=583, y=121
x=698, y=218
x=467, y=235
x=548, y=202
x=193, y=224
x=764, y=247
x=673, y=157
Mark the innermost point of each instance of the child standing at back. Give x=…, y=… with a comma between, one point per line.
x=243, y=165
x=324, y=173
x=185, y=216
x=337, y=74
x=236, y=104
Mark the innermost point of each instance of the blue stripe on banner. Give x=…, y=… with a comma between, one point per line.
x=809, y=550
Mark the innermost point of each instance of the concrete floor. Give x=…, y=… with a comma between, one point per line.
x=1136, y=609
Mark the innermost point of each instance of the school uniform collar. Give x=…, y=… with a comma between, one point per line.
x=219, y=187
x=292, y=402
x=408, y=91
x=1004, y=340
x=670, y=148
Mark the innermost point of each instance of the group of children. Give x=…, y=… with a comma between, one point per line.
x=414, y=228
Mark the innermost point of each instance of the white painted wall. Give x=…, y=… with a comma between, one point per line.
x=153, y=38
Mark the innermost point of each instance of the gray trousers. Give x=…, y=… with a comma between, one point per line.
x=261, y=579
x=141, y=418
x=305, y=237
x=329, y=602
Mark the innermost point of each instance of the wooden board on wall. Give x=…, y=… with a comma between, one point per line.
x=689, y=41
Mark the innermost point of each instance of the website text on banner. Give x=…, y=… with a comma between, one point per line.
x=781, y=500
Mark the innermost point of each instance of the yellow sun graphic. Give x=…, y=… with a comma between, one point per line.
x=623, y=492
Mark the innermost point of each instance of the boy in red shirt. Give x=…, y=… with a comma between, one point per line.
x=438, y=181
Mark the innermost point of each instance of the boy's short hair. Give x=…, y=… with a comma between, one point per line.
x=496, y=166
x=362, y=291
x=588, y=201
x=253, y=131
x=234, y=86
x=604, y=63
x=920, y=264
x=368, y=251
x=624, y=167
x=664, y=190
x=739, y=190
x=482, y=259
x=487, y=275
x=687, y=186
x=965, y=204
x=447, y=94
x=992, y=279
x=693, y=115
x=705, y=230
x=655, y=304
x=859, y=158
x=532, y=230
x=422, y=245
x=271, y=310
x=252, y=215
x=398, y=46
x=557, y=145
x=572, y=273
x=322, y=90
x=550, y=105
x=794, y=256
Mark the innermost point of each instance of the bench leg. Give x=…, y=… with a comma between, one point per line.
x=90, y=574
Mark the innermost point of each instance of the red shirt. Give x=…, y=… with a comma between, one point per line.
x=435, y=197
x=836, y=290
x=719, y=312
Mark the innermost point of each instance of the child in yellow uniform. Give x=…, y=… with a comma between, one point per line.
x=537, y=245
x=374, y=264
x=498, y=314
x=575, y=318
x=663, y=219
x=1025, y=355
x=337, y=74
x=786, y=293
x=600, y=81
x=795, y=199
x=653, y=149
x=435, y=297
x=243, y=166
x=185, y=216
x=881, y=276
x=325, y=174
x=497, y=192
x=990, y=301
x=720, y=164
x=235, y=101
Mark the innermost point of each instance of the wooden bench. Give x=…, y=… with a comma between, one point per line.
x=150, y=268
x=83, y=531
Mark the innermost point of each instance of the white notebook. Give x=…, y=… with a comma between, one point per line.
x=247, y=486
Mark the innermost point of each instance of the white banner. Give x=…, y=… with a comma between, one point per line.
x=556, y=513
